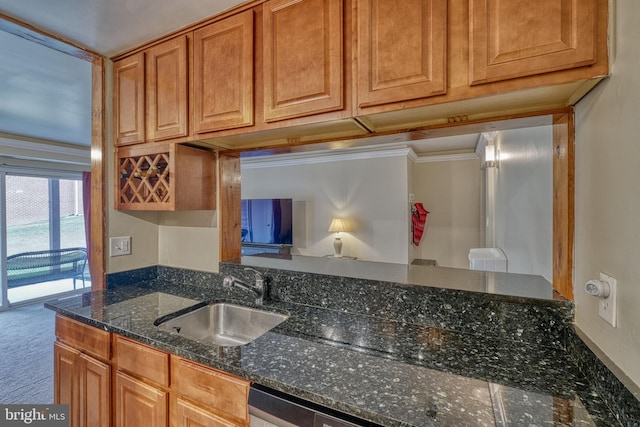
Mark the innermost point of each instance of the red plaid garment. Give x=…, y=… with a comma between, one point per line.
x=418, y=219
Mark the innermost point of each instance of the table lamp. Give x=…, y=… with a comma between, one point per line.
x=337, y=226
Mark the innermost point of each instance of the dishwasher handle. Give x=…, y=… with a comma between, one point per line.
x=286, y=413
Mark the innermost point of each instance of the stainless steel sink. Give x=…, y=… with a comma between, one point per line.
x=224, y=324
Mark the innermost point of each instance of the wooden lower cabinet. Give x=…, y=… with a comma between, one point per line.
x=223, y=394
x=139, y=404
x=83, y=383
x=65, y=380
x=148, y=387
x=142, y=361
x=95, y=392
x=186, y=414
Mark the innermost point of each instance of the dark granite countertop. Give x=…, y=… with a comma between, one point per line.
x=383, y=371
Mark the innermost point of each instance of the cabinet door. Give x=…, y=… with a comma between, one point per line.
x=302, y=57
x=189, y=415
x=221, y=392
x=223, y=74
x=517, y=38
x=65, y=380
x=128, y=103
x=139, y=404
x=401, y=50
x=95, y=392
x=166, y=88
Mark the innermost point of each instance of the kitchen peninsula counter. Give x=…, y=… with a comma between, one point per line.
x=428, y=274
x=383, y=371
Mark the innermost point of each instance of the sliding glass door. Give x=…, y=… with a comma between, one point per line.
x=43, y=235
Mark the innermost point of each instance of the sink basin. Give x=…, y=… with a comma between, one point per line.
x=224, y=324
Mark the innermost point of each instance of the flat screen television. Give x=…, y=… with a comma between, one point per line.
x=267, y=221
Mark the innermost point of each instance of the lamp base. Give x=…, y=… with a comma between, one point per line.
x=337, y=246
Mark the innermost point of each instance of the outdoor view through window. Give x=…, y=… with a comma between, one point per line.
x=44, y=215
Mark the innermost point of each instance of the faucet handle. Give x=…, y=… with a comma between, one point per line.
x=256, y=272
x=227, y=281
x=260, y=288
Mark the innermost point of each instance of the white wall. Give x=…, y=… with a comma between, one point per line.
x=195, y=248
x=524, y=200
x=607, y=203
x=369, y=191
x=451, y=192
x=175, y=239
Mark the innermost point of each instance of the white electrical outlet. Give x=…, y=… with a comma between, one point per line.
x=607, y=306
x=120, y=246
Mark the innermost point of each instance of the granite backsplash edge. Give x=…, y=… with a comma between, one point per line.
x=619, y=393
x=539, y=322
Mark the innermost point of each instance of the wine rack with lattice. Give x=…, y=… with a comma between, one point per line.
x=145, y=179
x=164, y=177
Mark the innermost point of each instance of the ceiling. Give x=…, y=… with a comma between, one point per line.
x=109, y=27
x=46, y=94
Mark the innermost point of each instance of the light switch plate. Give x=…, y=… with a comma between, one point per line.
x=119, y=246
x=607, y=307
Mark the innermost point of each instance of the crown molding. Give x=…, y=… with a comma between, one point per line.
x=446, y=158
x=324, y=156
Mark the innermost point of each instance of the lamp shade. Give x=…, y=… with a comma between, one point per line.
x=337, y=225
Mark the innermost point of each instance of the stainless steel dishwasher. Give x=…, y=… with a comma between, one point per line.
x=268, y=407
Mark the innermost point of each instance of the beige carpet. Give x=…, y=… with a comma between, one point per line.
x=26, y=355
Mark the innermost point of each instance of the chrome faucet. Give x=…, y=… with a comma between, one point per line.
x=258, y=289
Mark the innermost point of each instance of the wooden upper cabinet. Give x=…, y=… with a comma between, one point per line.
x=165, y=177
x=278, y=72
x=223, y=74
x=129, y=94
x=518, y=38
x=167, y=89
x=401, y=53
x=303, y=55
